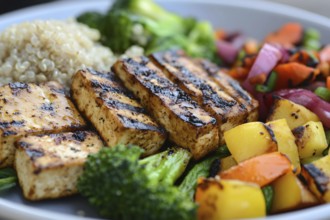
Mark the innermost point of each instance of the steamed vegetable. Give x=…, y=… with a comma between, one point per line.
x=145, y=23
x=229, y=199
x=121, y=186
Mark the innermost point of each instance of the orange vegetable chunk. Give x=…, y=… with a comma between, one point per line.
x=260, y=170
x=293, y=74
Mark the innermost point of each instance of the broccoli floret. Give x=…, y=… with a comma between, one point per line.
x=123, y=187
x=144, y=23
x=92, y=19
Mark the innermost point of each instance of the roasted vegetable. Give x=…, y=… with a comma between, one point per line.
x=295, y=114
x=229, y=199
x=290, y=194
x=121, y=186
x=255, y=138
x=317, y=176
x=261, y=170
x=286, y=141
x=310, y=139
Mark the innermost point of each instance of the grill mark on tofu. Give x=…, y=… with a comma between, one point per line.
x=115, y=104
x=189, y=126
x=56, y=157
x=31, y=109
x=232, y=87
x=132, y=123
x=196, y=82
x=17, y=87
x=109, y=88
x=114, y=113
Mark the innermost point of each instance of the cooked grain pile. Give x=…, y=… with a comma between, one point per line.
x=51, y=50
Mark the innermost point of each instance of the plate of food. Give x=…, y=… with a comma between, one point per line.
x=142, y=109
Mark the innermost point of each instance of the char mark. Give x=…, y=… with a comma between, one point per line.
x=47, y=107
x=109, y=75
x=240, y=91
x=79, y=136
x=16, y=87
x=9, y=124
x=320, y=179
x=108, y=88
x=132, y=123
x=120, y=105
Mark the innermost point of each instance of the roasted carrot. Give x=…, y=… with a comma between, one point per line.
x=239, y=73
x=288, y=35
x=308, y=58
x=294, y=74
x=260, y=170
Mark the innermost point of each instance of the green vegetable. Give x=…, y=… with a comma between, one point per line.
x=123, y=187
x=268, y=192
x=323, y=93
x=201, y=169
x=327, y=135
x=144, y=23
x=311, y=40
x=222, y=151
x=270, y=83
x=8, y=178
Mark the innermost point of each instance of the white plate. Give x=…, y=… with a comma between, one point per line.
x=255, y=18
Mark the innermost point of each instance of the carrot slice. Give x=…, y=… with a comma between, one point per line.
x=260, y=170
x=294, y=74
x=328, y=82
x=288, y=35
x=304, y=57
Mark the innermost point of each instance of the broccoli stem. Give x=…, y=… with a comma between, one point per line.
x=7, y=178
x=189, y=183
x=166, y=167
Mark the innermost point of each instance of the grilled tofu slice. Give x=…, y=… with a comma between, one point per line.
x=49, y=166
x=188, y=125
x=195, y=81
x=232, y=88
x=29, y=109
x=113, y=111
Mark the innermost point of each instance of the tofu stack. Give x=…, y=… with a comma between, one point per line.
x=113, y=111
x=49, y=166
x=195, y=81
x=30, y=109
x=188, y=125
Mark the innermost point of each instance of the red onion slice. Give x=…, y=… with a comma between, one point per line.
x=266, y=60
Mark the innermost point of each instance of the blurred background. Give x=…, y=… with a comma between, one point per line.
x=317, y=6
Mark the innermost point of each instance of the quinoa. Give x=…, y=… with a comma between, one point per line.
x=48, y=50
